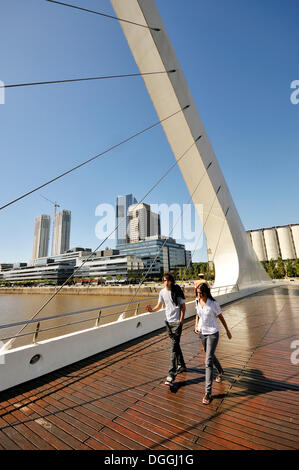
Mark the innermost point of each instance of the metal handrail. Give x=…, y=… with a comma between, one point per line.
x=36, y=320
x=225, y=287
x=222, y=287
x=99, y=309
x=65, y=324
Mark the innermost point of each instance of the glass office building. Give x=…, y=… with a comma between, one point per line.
x=122, y=217
x=159, y=254
x=114, y=266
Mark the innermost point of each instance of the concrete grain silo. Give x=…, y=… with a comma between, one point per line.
x=271, y=243
x=259, y=244
x=295, y=233
x=285, y=242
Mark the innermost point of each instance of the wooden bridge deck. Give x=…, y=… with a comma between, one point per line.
x=118, y=400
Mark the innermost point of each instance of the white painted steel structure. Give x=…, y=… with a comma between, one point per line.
x=233, y=255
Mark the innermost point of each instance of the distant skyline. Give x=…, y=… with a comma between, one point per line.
x=240, y=59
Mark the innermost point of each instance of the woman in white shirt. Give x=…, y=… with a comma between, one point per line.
x=207, y=310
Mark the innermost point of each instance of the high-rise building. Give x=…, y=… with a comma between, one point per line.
x=61, y=232
x=139, y=226
x=143, y=223
x=155, y=225
x=122, y=217
x=41, y=236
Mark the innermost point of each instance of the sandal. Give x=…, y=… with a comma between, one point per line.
x=207, y=399
x=219, y=378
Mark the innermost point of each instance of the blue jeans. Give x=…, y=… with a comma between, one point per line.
x=209, y=343
x=176, y=355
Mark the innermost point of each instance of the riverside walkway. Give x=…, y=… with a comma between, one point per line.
x=118, y=400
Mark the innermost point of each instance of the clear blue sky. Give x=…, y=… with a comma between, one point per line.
x=239, y=58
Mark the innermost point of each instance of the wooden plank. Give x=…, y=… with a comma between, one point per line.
x=18, y=438
x=93, y=404
x=48, y=436
x=253, y=429
x=64, y=425
x=64, y=436
x=96, y=445
x=143, y=432
x=7, y=443
x=34, y=438
x=246, y=413
x=243, y=437
x=160, y=428
x=110, y=441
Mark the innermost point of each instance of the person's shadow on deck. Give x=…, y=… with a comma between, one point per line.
x=252, y=381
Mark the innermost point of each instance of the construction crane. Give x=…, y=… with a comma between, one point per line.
x=55, y=204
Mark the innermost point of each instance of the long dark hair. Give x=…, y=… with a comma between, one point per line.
x=205, y=290
x=176, y=290
x=170, y=278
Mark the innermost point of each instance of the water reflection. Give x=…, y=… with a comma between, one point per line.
x=18, y=307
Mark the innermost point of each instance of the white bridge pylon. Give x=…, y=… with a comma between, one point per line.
x=227, y=241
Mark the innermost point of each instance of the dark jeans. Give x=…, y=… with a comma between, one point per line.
x=176, y=355
x=209, y=343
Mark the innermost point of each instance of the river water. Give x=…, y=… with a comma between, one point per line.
x=21, y=307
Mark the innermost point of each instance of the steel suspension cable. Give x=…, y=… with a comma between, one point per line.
x=178, y=219
x=93, y=158
x=102, y=14
x=90, y=257
x=71, y=80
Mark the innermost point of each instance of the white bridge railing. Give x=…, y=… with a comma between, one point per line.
x=118, y=315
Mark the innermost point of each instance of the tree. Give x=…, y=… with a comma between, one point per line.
x=290, y=268
x=272, y=271
x=265, y=265
x=297, y=267
x=195, y=271
x=280, y=269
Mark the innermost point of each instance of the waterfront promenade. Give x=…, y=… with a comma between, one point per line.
x=118, y=400
x=116, y=291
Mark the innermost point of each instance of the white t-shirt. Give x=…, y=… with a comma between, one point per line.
x=172, y=311
x=207, y=323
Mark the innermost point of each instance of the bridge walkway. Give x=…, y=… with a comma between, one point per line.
x=118, y=400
